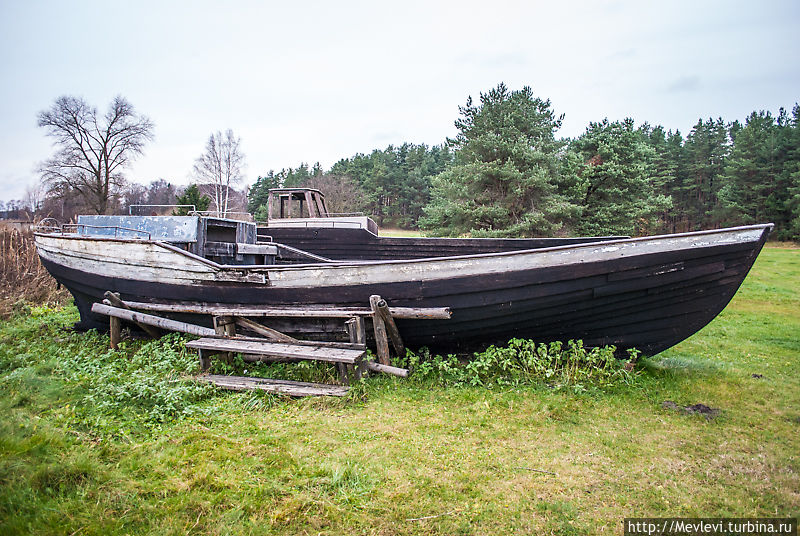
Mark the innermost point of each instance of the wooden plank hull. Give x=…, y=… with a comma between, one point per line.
x=360, y=244
x=648, y=293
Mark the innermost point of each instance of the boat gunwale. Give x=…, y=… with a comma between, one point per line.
x=340, y=264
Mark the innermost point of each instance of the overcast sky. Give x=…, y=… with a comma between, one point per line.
x=319, y=81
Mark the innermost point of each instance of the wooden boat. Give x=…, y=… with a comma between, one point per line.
x=649, y=293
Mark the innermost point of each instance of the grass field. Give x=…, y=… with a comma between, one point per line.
x=400, y=233
x=82, y=452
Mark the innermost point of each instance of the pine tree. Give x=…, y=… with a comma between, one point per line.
x=506, y=178
x=756, y=190
x=706, y=150
x=792, y=172
x=621, y=196
x=192, y=196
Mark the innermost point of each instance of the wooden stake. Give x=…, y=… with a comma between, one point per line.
x=381, y=341
x=114, y=299
x=114, y=331
x=205, y=359
x=391, y=328
x=357, y=333
x=225, y=326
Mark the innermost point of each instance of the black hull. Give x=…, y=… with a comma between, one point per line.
x=649, y=302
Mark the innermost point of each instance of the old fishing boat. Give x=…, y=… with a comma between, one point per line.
x=649, y=293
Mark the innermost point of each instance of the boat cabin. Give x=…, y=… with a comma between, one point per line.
x=222, y=240
x=305, y=207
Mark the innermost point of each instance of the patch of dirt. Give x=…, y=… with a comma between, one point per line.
x=695, y=409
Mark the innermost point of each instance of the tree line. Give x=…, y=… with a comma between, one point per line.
x=505, y=173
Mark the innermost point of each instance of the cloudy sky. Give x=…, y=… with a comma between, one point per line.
x=309, y=81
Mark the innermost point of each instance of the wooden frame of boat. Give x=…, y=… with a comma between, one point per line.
x=648, y=293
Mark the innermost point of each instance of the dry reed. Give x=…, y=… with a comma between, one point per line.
x=24, y=279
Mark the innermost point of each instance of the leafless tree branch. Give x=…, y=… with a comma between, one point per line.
x=90, y=152
x=222, y=164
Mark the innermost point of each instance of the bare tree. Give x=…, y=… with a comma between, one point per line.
x=222, y=164
x=90, y=150
x=35, y=195
x=342, y=194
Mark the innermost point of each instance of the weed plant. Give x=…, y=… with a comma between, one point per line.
x=101, y=392
x=524, y=362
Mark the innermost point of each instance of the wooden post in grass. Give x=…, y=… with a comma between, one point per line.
x=115, y=326
x=114, y=300
x=225, y=326
x=391, y=328
x=381, y=341
x=358, y=335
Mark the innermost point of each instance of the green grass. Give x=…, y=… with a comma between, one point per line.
x=400, y=233
x=97, y=442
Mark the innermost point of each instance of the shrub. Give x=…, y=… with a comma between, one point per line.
x=526, y=362
x=22, y=276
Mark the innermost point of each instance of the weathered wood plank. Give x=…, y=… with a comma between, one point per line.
x=299, y=342
x=358, y=336
x=274, y=349
x=283, y=387
x=143, y=318
x=386, y=369
x=115, y=301
x=391, y=327
x=379, y=326
x=317, y=311
x=114, y=331
x=269, y=333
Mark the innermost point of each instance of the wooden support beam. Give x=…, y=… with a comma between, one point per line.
x=205, y=359
x=115, y=326
x=381, y=340
x=300, y=342
x=341, y=368
x=115, y=301
x=150, y=320
x=358, y=337
x=316, y=311
x=225, y=326
x=391, y=327
x=386, y=369
x=269, y=333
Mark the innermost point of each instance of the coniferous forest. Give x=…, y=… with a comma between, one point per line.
x=507, y=173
